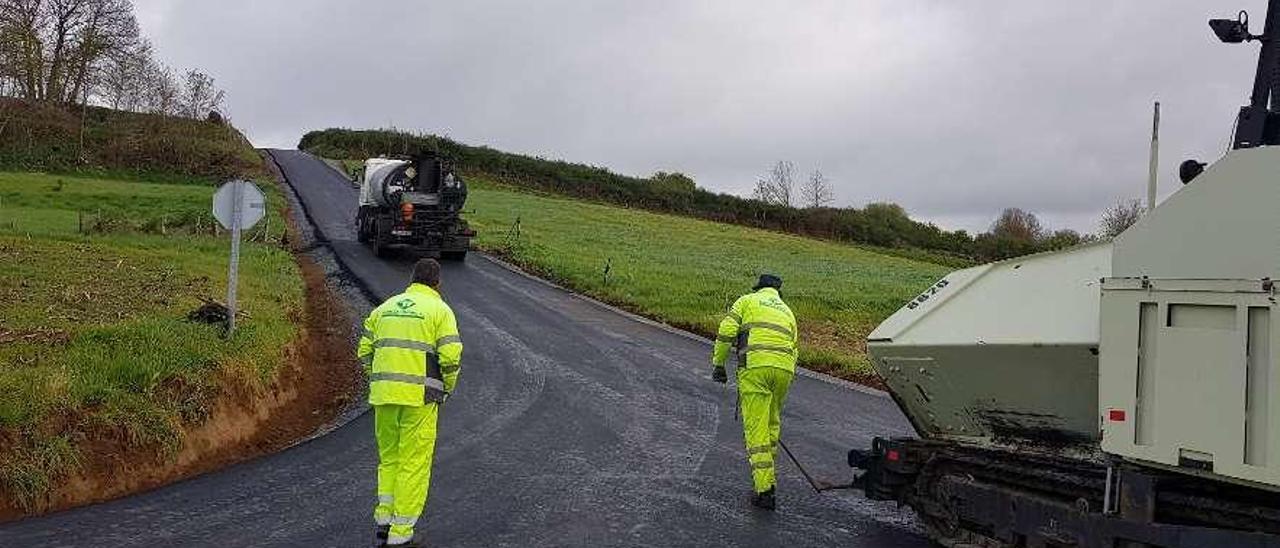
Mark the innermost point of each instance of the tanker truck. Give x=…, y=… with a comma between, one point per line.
x=1120, y=394
x=413, y=203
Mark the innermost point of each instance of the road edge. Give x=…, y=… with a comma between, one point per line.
x=369, y=294
x=317, y=242
x=819, y=376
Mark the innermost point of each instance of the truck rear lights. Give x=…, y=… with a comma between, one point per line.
x=1116, y=415
x=893, y=455
x=406, y=211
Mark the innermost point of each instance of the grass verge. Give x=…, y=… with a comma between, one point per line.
x=686, y=272
x=96, y=279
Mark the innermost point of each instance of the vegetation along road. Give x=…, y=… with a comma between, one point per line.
x=96, y=278
x=106, y=386
x=572, y=425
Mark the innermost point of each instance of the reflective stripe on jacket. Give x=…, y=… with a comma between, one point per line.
x=762, y=327
x=411, y=349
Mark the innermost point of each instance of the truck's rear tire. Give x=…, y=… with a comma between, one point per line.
x=380, y=241
x=362, y=230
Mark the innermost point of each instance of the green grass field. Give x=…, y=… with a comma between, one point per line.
x=96, y=279
x=42, y=204
x=687, y=272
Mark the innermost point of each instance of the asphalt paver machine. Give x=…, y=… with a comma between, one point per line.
x=1120, y=394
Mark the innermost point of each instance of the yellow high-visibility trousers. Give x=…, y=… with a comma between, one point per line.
x=406, y=443
x=761, y=392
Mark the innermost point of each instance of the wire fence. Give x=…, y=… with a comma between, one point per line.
x=516, y=244
x=30, y=221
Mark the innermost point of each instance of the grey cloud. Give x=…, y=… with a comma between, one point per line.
x=954, y=110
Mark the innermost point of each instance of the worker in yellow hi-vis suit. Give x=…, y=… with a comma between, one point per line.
x=763, y=329
x=411, y=350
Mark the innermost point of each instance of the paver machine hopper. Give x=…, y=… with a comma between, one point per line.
x=1124, y=393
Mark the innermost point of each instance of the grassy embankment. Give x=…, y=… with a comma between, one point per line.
x=97, y=274
x=686, y=271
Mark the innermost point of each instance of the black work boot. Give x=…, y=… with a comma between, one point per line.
x=384, y=532
x=765, y=500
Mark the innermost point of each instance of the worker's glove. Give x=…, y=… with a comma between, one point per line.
x=719, y=375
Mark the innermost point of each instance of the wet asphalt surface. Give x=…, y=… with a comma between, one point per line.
x=572, y=425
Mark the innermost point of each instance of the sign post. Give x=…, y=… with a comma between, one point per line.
x=237, y=205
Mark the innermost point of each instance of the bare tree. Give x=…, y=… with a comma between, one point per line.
x=161, y=92
x=778, y=186
x=82, y=51
x=1121, y=216
x=109, y=29
x=123, y=80
x=53, y=50
x=816, y=191
x=1018, y=225
x=22, y=22
x=200, y=96
x=64, y=20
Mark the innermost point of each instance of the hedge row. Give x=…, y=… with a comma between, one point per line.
x=883, y=225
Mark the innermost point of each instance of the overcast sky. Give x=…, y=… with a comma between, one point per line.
x=953, y=109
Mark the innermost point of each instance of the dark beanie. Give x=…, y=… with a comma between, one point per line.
x=768, y=280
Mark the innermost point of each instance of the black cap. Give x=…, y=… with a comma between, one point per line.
x=768, y=280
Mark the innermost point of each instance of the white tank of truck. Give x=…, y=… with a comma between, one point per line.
x=377, y=182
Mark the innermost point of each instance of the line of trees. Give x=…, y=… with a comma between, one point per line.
x=1017, y=232
x=778, y=187
x=92, y=52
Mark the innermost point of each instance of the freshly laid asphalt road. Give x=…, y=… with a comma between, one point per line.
x=572, y=425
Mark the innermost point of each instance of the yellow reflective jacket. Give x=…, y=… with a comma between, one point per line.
x=411, y=349
x=762, y=327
